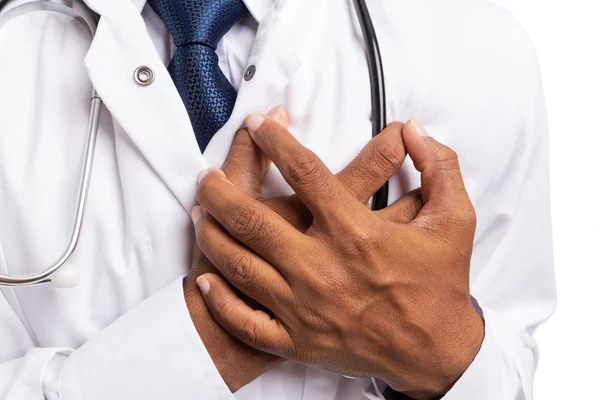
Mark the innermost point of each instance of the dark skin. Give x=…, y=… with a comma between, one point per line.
x=373, y=294
x=246, y=166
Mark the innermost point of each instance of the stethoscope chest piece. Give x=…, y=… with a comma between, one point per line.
x=66, y=277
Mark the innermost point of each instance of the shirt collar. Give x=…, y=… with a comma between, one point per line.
x=258, y=8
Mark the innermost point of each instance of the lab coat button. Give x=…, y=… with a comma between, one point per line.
x=143, y=76
x=249, y=74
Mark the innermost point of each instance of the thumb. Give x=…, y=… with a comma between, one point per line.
x=246, y=165
x=441, y=180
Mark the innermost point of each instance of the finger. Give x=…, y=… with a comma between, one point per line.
x=250, y=221
x=308, y=176
x=246, y=165
x=375, y=164
x=245, y=270
x=253, y=327
x=441, y=180
x=404, y=210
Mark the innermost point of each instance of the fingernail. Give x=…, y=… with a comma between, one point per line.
x=418, y=127
x=254, y=121
x=197, y=214
x=204, y=285
x=277, y=114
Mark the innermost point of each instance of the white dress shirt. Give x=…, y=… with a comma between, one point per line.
x=463, y=67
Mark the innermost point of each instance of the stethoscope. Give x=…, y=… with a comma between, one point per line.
x=64, y=274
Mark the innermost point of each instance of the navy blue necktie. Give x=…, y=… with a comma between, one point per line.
x=197, y=26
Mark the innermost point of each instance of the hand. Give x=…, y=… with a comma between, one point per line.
x=383, y=294
x=246, y=166
x=237, y=363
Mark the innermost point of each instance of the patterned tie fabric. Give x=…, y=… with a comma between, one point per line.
x=197, y=26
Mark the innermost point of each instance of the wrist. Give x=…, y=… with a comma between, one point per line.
x=237, y=363
x=446, y=358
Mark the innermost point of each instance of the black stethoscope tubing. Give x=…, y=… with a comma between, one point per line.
x=378, y=99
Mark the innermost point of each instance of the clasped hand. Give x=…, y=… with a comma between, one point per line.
x=376, y=294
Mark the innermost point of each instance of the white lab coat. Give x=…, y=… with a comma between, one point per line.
x=463, y=67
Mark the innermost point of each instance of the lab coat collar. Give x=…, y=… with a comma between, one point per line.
x=258, y=8
x=154, y=117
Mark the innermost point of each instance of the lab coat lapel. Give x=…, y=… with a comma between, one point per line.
x=153, y=116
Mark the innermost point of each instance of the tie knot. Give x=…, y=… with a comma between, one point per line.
x=199, y=21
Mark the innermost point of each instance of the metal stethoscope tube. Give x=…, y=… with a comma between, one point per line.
x=88, y=158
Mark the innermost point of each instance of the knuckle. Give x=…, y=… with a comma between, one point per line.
x=304, y=167
x=242, y=138
x=388, y=156
x=247, y=221
x=362, y=238
x=270, y=134
x=312, y=318
x=239, y=267
x=208, y=181
x=249, y=332
x=445, y=158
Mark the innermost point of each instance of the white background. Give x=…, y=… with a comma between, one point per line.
x=567, y=37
